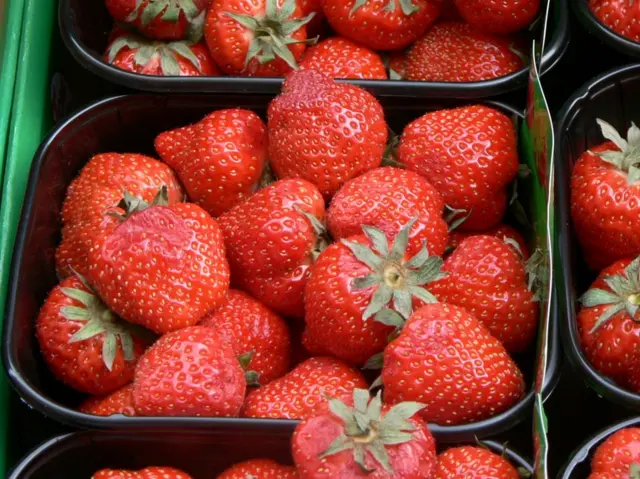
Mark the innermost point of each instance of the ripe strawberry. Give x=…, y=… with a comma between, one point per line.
x=504, y=232
x=364, y=439
x=260, y=38
x=381, y=24
x=605, y=198
x=498, y=17
x=303, y=391
x=190, y=372
x=146, y=473
x=261, y=469
x=618, y=456
x=469, y=462
x=608, y=321
x=397, y=70
x=118, y=402
x=339, y=57
x=352, y=281
x=271, y=241
x=220, y=159
x=163, y=267
x=136, y=54
x=487, y=277
x=349, y=140
x=253, y=331
x=83, y=343
x=621, y=16
x=387, y=198
x=469, y=154
x=161, y=19
x=97, y=189
x=454, y=52
x=445, y=358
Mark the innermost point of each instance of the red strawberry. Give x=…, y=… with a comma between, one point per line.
x=271, y=241
x=498, y=17
x=83, y=343
x=469, y=462
x=146, y=473
x=303, y=391
x=364, y=439
x=387, y=198
x=488, y=278
x=397, y=70
x=618, y=456
x=605, y=198
x=220, y=159
x=118, y=402
x=506, y=233
x=261, y=469
x=160, y=19
x=255, y=332
x=256, y=38
x=163, y=267
x=350, y=284
x=621, y=16
x=449, y=12
x=446, y=359
x=99, y=188
x=608, y=321
x=339, y=57
x=454, y=52
x=349, y=140
x=381, y=24
x=190, y=372
x=136, y=54
x=469, y=154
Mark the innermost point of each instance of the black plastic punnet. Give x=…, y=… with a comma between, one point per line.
x=85, y=27
x=129, y=124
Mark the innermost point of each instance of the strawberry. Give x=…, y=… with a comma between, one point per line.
x=445, y=358
x=255, y=332
x=261, y=469
x=621, y=16
x=161, y=19
x=605, y=198
x=618, y=456
x=352, y=281
x=498, y=17
x=136, y=54
x=608, y=321
x=397, y=70
x=470, y=462
x=469, y=154
x=146, y=473
x=99, y=188
x=256, y=38
x=349, y=140
x=271, y=241
x=454, y=52
x=364, y=439
x=381, y=24
x=220, y=159
x=83, y=343
x=339, y=57
x=502, y=231
x=118, y=402
x=163, y=267
x=387, y=198
x=487, y=277
x=303, y=391
x=190, y=372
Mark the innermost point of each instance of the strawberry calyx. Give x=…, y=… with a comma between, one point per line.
x=147, y=50
x=536, y=269
x=272, y=32
x=455, y=217
x=366, y=430
x=170, y=10
x=322, y=235
x=624, y=295
x=252, y=377
x=407, y=6
x=634, y=471
x=132, y=204
x=628, y=158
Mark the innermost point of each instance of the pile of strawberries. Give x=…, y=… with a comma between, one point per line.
x=423, y=40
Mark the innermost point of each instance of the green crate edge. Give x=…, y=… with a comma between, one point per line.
x=30, y=120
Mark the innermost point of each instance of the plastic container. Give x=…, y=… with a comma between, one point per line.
x=129, y=123
x=615, y=97
x=85, y=26
x=79, y=455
